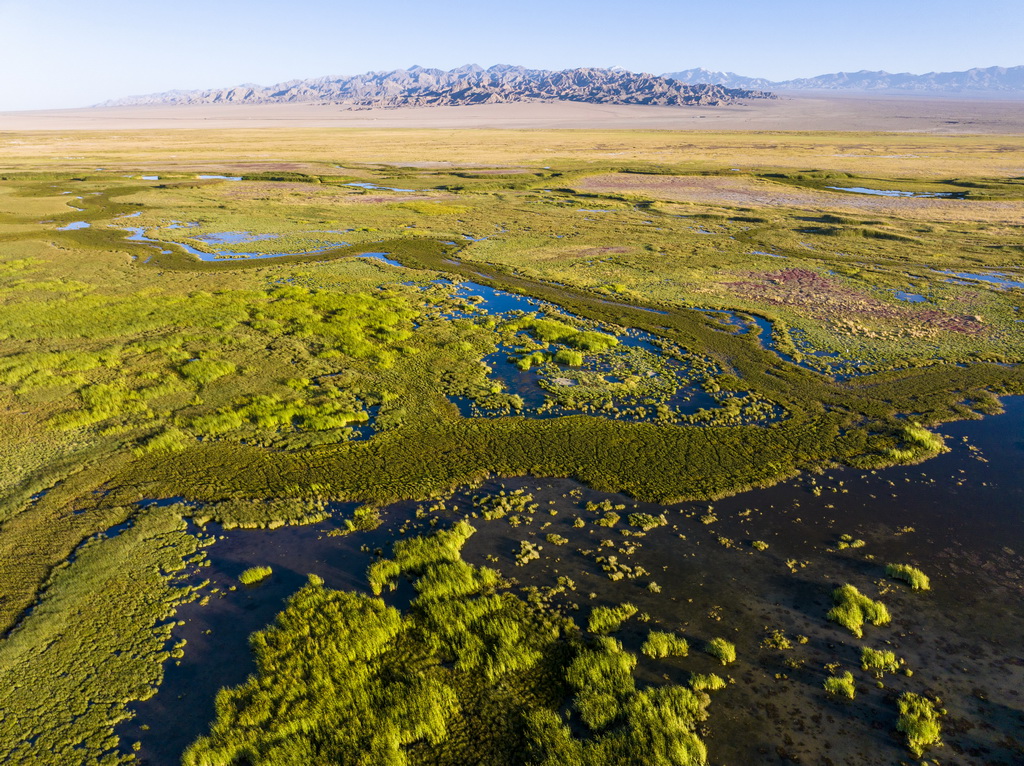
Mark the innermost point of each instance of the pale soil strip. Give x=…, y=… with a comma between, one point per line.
x=747, y=192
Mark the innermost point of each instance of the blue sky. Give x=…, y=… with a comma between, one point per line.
x=67, y=53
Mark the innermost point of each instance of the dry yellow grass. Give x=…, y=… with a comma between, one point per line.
x=320, y=150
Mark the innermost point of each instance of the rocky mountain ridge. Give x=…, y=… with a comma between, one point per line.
x=471, y=84
x=972, y=81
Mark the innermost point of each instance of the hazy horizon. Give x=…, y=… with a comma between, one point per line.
x=72, y=54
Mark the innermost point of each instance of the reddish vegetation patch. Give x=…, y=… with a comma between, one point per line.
x=603, y=250
x=828, y=300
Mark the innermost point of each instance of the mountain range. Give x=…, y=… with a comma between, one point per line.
x=469, y=84
x=972, y=81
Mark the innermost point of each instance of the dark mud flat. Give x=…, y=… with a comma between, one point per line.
x=959, y=517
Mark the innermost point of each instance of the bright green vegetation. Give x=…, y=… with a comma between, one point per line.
x=263, y=390
x=646, y=521
x=913, y=576
x=469, y=674
x=608, y=619
x=296, y=379
x=919, y=721
x=852, y=609
x=841, y=686
x=253, y=575
x=722, y=650
x=68, y=671
x=879, y=662
x=660, y=644
x=701, y=682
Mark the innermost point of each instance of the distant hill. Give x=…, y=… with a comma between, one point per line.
x=470, y=84
x=994, y=79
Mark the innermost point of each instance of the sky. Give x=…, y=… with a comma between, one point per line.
x=72, y=53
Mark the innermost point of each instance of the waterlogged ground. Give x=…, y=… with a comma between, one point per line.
x=271, y=343
x=957, y=517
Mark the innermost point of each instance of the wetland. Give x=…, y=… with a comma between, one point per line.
x=640, y=452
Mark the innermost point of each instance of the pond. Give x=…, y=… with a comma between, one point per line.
x=909, y=297
x=74, y=226
x=364, y=185
x=994, y=277
x=895, y=193
x=383, y=258
x=958, y=516
x=230, y=237
x=138, y=235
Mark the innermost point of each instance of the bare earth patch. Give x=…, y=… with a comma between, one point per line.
x=750, y=192
x=826, y=300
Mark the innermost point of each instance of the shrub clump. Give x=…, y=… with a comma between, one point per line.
x=852, y=609
x=605, y=619
x=722, y=650
x=646, y=521
x=919, y=721
x=913, y=576
x=253, y=575
x=660, y=644
x=841, y=686
x=706, y=682
x=879, y=662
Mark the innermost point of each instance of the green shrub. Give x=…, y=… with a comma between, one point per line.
x=253, y=575
x=592, y=341
x=913, y=576
x=568, y=358
x=922, y=437
x=878, y=662
x=646, y=521
x=660, y=644
x=841, y=686
x=605, y=619
x=706, y=682
x=722, y=650
x=919, y=721
x=852, y=609
x=603, y=679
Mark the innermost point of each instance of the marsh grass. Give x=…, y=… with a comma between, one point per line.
x=608, y=619
x=254, y=575
x=919, y=722
x=408, y=688
x=128, y=373
x=841, y=686
x=913, y=576
x=722, y=650
x=852, y=609
x=660, y=644
x=879, y=662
